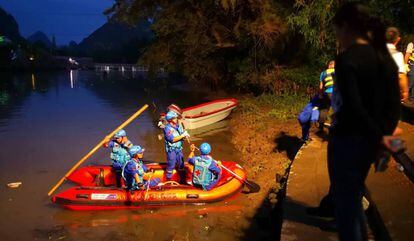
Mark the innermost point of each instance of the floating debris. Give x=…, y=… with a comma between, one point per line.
x=57, y=232
x=14, y=184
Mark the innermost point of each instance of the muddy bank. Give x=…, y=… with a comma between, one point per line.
x=266, y=146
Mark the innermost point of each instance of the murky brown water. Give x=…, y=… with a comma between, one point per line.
x=48, y=121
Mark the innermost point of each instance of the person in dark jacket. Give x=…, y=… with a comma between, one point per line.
x=309, y=115
x=364, y=121
x=134, y=169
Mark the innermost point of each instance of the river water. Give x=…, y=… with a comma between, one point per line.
x=48, y=121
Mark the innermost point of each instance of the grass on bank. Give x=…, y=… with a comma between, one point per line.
x=285, y=92
x=279, y=107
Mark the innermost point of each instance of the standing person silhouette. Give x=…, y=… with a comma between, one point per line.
x=366, y=104
x=392, y=36
x=409, y=60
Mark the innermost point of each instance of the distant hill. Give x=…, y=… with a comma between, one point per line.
x=116, y=42
x=9, y=27
x=40, y=38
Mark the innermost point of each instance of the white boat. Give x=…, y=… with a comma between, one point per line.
x=204, y=132
x=207, y=113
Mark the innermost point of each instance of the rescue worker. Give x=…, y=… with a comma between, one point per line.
x=174, y=136
x=309, y=115
x=326, y=80
x=119, y=153
x=134, y=169
x=326, y=86
x=206, y=171
x=174, y=108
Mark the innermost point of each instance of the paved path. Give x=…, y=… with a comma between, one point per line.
x=392, y=193
x=308, y=182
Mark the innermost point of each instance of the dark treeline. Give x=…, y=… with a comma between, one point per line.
x=256, y=45
x=263, y=45
x=113, y=42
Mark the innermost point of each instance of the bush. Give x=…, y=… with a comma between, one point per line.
x=297, y=81
x=280, y=80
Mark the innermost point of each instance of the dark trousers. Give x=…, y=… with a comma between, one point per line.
x=175, y=160
x=118, y=177
x=324, y=108
x=305, y=130
x=410, y=76
x=349, y=160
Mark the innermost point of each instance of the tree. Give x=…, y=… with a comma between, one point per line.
x=397, y=13
x=312, y=19
x=208, y=40
x=244, y=42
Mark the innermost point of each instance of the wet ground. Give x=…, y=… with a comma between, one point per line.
x=48, y=121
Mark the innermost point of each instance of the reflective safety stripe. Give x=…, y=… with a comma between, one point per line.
x=328, y=80
x=330, y=71
x=411, y=59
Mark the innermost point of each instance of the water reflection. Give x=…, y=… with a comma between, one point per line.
x=71, y=79
x=85, y=219
x=33, y=82
x=206, y=131
x=209, y=222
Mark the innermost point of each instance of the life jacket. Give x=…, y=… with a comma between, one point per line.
x=202, y=175
x=175, y=131
x=119, y=153
x=328, y=81
x=411, y=59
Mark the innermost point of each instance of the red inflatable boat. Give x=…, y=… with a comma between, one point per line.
x=97, y=191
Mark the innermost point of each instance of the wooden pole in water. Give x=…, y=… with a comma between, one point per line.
x=130, y=119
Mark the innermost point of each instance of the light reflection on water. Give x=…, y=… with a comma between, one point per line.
x=48, y=121
x=33, y=82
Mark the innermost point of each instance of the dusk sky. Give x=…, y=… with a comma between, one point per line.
x=66, y=19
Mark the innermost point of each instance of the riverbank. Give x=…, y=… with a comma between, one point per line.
x=266, y=134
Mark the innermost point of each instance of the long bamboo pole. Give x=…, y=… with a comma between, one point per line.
x=130, y=119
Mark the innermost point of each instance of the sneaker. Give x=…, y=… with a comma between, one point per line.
x=306, y=142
